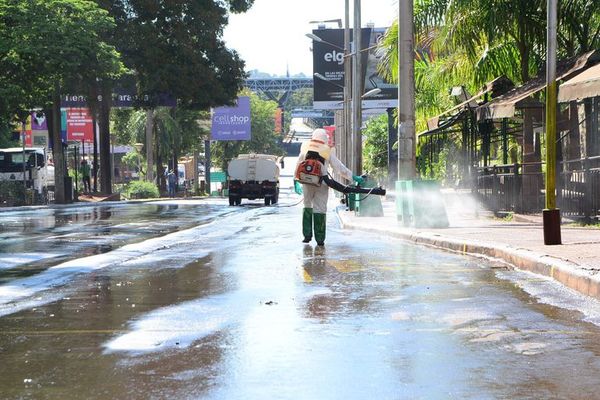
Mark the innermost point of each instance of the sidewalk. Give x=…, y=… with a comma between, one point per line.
x=519, y=242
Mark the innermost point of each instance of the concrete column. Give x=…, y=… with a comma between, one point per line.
x=406, y=92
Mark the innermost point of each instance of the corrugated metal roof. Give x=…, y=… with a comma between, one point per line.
x=582, y=86
x=506, y=105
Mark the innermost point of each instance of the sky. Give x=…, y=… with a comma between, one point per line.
x=271, y=35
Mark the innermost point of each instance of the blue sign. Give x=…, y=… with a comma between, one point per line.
x=232, y=123
x=307, y=114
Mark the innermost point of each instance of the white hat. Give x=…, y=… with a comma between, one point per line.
x=320, y=134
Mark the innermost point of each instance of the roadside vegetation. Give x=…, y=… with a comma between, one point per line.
x=470, y=42
x=51, y=48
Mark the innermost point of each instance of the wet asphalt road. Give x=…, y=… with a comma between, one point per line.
x=190, y=300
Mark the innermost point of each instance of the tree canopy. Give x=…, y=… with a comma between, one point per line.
x=44, y=43
x=175, y=48
x=470, y=42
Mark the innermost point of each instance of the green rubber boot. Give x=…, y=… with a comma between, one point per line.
x=320, y=225
x=307, y=221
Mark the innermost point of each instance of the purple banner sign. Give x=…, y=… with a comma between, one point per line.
x=232, y=123
x=38, y=121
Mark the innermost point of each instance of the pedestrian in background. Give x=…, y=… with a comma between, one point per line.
x=171, y=183
x=85, y=171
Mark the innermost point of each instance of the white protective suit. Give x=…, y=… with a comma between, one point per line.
x=317, y=197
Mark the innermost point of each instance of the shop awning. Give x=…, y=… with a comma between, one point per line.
x=506, y=105
x=582, y=86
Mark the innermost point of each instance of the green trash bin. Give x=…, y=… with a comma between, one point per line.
x=351, y=199
x=368, y=205
x=420, y=204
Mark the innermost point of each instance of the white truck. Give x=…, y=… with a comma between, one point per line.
x=253, y=176
x=39, y=175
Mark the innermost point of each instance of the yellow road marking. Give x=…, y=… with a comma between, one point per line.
x=346, y=266
x=306, y=276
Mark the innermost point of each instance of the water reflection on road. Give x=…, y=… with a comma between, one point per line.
x=236, y=307
x=33, y=240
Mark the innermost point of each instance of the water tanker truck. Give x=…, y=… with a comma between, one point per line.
x=29, y=164
x=253, y=176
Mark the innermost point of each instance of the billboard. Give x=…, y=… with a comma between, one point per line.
x=80, y=125
x=232, y=123
x=330, y=129
x=328, y=62
x=278, y=120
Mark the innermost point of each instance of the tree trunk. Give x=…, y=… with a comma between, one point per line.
x=104, y=122
x=60, y=170
x=160, y=171
x=524, y=52
x=176, y=166
x=196, y=173
x=150, y=145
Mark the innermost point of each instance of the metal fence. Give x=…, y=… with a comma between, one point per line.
x=520, y=188
x=579, y=188
x=511, y=187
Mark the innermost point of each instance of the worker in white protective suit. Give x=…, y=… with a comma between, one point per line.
x=313, y=163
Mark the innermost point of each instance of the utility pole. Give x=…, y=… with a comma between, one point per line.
x=207, y=165
x=551, y=215
x=357, y=93
x=347, y=134
x=392, y=156
x=406, y=92
x=150, y=145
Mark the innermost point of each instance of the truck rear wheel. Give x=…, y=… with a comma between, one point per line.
x=267, y=201
x=231, y=200
x=238, y=201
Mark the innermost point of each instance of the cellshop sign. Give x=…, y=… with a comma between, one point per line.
x=232, y=123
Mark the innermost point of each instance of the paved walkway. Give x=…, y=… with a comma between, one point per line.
x=519, y=241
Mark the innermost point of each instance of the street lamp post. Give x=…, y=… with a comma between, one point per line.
x=356, y=92
x=24, y=135
x=347, y=135
x=406, y=92
x=551, y=215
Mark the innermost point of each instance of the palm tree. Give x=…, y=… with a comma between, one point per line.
x=579, y=30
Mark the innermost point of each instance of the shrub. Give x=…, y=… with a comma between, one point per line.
x=141, y=190
x=11, y=193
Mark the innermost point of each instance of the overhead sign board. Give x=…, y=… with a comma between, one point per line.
x=120, y=99
x=328, y=63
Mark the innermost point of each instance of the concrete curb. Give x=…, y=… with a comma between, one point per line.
x=570, y=274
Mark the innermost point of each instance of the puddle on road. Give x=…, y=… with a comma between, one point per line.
x=167, y=251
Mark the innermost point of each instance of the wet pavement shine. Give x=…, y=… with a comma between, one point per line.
x=207, y=301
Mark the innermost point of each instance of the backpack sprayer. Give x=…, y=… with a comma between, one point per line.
x=347, y=189
x=310, y=172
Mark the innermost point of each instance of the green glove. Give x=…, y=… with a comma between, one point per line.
x=297, y=187
x=358, y=179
